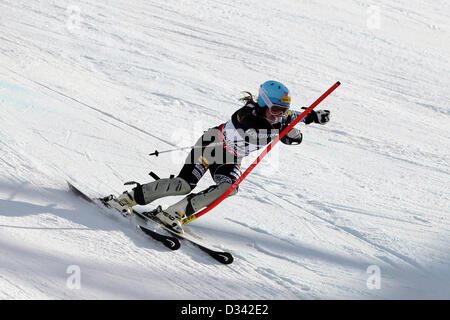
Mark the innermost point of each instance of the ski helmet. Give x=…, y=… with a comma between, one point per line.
x=274, y=93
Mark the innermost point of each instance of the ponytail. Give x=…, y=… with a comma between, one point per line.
x=248, y=98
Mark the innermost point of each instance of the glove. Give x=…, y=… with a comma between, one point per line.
x=292, y=137
x=318, y=116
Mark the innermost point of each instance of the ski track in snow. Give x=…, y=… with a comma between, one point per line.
x=88, y=91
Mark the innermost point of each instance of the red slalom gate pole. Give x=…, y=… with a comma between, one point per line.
x=262, y=155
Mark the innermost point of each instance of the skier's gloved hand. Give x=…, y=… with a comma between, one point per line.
x=317, y=116
x=292, y=137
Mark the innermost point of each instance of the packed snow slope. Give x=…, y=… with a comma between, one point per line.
x=359, y=210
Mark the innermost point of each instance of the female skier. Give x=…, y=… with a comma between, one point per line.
x=221, y=149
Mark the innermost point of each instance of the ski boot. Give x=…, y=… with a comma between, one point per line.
x=169, y=219
x=124, y=203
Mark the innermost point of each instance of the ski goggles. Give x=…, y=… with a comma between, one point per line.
x=275, y=109
x=278, y=110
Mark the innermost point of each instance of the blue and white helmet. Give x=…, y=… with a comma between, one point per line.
x=273, y=93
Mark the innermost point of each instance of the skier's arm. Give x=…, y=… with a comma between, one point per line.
x=316, y=116
x=294, y=136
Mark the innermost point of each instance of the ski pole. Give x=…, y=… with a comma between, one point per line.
x=261, y=156
x=156, y=153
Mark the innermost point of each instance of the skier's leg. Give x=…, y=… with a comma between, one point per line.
x=149, y=192
x=146, y=193
x=224, y=176
x=196, y=164
x=195, y=167
x=184, y=183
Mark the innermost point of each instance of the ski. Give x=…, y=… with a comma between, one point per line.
x=221, y=256
x=169, y=241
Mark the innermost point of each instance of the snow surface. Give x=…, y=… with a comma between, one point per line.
x=89, y=88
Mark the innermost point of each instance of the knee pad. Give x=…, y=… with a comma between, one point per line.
x=147, y=193
x=208, y=196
